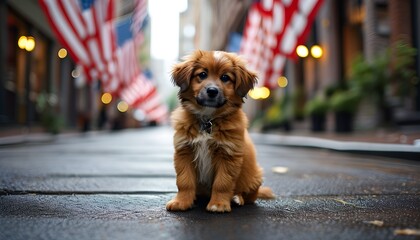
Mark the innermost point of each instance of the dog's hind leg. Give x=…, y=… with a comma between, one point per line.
x=238, y=199
x=265, y=193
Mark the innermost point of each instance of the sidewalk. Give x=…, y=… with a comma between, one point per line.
x=36, y=135
x=399, y=144
x=116, y=185
x=408, y=137
x=403, y=144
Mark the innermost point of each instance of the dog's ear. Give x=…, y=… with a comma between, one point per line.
x=183, y=71
x=245, y=80
x=181, y=74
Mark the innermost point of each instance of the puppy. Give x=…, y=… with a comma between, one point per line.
x=214, y=155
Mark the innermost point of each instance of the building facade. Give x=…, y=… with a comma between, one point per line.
x=40, y=87
x=31, y=77
x=343, y=29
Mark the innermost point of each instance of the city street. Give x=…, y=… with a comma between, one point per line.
x=114, y=185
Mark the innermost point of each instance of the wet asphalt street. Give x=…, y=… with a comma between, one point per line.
x=116, y=185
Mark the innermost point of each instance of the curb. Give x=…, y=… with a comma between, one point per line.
x=41, y=138
x=38, y=138
x=405, y=151
x=26, y=138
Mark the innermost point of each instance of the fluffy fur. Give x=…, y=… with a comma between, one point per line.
x=217, y=161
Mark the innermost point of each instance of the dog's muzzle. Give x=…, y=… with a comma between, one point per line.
x=211, y=96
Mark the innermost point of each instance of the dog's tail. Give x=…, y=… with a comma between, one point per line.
x=265, y=193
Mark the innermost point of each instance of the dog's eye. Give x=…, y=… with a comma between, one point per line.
x=202, y=75
x=225, y=78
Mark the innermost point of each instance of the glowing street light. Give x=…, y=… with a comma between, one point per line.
x=259, y=93
x=302, y=51
x=316, y=51
x=282, y=82
x=22, y=42
x=27, y=43
x=62, y=53
x=30, y=44
x=122, y=106
x=106, y=98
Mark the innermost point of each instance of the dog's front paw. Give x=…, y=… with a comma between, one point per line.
x=218, y=207
x=177, y=205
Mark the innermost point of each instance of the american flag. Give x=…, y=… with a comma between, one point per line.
x=106, y=47
x=273, y=30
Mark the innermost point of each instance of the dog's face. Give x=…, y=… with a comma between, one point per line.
x=212, y=81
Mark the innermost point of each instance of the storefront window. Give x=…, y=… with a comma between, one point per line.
x=26, y=69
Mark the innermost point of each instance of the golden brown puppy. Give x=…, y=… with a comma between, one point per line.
x=214, y=155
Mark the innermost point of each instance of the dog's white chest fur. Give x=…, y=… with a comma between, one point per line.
x=202, y=159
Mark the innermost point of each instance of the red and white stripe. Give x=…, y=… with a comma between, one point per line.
x=87, y=35
x=142, y=94
x=90, y=38
x=139, y=15
x=273, y=30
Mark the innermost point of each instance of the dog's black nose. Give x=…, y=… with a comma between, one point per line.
x=212, y=92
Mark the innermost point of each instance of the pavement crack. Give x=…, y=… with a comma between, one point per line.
x=6, y=192
x=112, y=175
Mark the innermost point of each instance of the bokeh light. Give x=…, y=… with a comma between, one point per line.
x=302, y=51
x=30, y=44
x=22, y=42
x=62, y=53
x=106, y=98
x=75, y=73
x=259, y=93
x=316, y=51
x=282, y=82
x=122, y=106
x=27, y=43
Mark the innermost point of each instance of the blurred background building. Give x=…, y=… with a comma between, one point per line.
x=343, y=31
x=31, y=67
x=41, y=86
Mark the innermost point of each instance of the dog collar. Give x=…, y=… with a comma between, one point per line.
x=206, y=126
